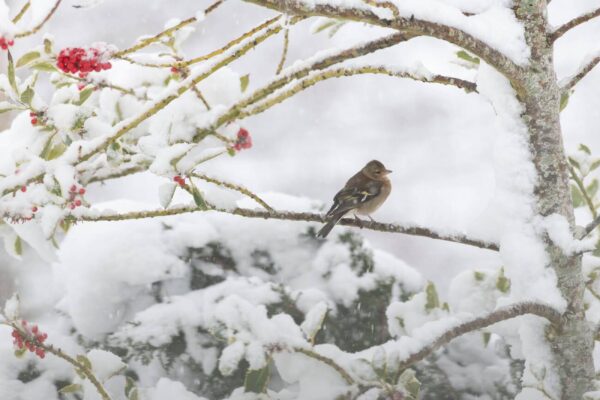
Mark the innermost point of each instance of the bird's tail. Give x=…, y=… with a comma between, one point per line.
x=329, y=225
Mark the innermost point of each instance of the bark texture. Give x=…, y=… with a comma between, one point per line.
x=572, y=342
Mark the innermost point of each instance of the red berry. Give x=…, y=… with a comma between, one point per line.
x=82, y=191
x=34, y=121
x=72, y=206
x=34, y=329
x=11, y=42
x=32, y=114
x=34, y=209
x=23, y=189
x=177, y=178
x=77, y=203
x=73, y=188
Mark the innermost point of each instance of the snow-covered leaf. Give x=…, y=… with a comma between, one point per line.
x=165, y=193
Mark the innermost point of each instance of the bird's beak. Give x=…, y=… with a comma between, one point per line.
x=388, y=171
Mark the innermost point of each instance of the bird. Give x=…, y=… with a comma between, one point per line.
x=363, y=194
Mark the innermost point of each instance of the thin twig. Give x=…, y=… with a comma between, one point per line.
x=22, y=12
x=574, y=80
x=296, y=216
x=501, y=314
x=581, y=186
x=166, y=32
x=284, y=51
x=341, y=72
x=39, y=26
x=590, y=227
x=561, y=30
x=235, y=187
x=309, y=353
x=61, y=354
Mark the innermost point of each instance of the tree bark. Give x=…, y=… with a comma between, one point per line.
x=572, y=343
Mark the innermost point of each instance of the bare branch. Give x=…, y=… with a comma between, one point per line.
x=21, y=12
x=341, y=72
x=39, y=26
x=561, y=30
x=590, y=227
x=410, y=26
x=284, y=51
x=295, y=216
x=585, y=69
x=501, y=314
x=235, y=187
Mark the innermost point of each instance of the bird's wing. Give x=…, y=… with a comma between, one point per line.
x=354, y=194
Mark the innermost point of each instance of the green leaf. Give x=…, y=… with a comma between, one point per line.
x=592, y=188
x=27, y=96
x=56, y=151
x=198, y=199
x=409, y=381
x=595, y=165
x=84, y=361
x=47, y=46
x=256, y=380
x=564, y=100
x=72, y=388
x=20, y=352
x=479, y=276
x=577, y=197
x=18, y=246
x=231, y=151
x=463, y=55
x=27, y=58
x=44, y=67
x=129, y=386
x=335, y=29
x=502, y=283
x=433, y=301
x=12, y=79
x=574, y=162
x=244, y=81
x=486, y=338
x=84, y=95
x=326, y=24
x=585, y=149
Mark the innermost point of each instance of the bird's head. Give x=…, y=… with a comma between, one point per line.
x=375, y=170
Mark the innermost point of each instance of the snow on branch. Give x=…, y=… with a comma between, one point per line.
x=586, y=67
x=94, y=216
x=501, y=314
x=412, y=27
x=561, y=30
x=313, y=79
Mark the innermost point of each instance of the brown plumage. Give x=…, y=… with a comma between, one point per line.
x=363, y=194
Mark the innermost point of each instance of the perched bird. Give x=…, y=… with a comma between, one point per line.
x=363, y=194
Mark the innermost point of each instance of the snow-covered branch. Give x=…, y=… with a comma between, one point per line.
x=501, y=314
x=587, y=66
x=561, y=30
x=293, y=216
x=412, y=26
x=313, y=79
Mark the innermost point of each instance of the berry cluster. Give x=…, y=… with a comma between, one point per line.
x=179, y=180
x=74, y=192
x=32, y=339
x=35, y=118
x=84, y=61
x=243, y=141
x=5, y=44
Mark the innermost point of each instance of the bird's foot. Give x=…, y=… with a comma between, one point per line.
x=359, y=221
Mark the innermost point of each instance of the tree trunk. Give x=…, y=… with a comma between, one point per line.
x=571, y=344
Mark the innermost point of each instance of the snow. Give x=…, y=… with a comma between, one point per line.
x=134, y=284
